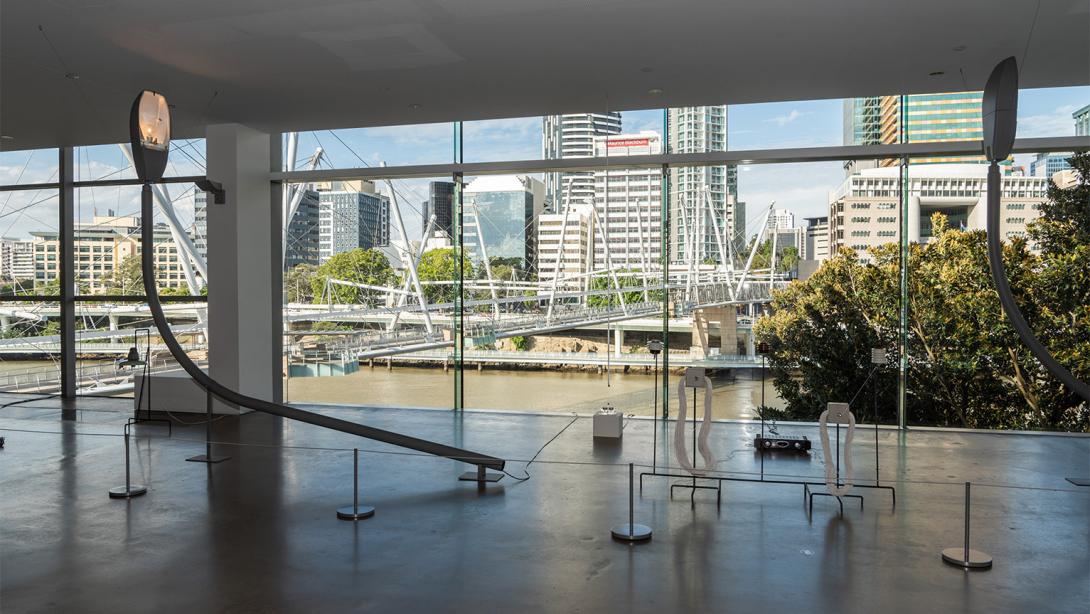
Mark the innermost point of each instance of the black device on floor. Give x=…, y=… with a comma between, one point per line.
x=786, y=443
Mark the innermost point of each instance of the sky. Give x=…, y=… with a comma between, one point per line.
x=801, y=188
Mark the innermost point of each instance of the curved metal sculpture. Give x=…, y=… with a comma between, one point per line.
x=277, y=409
x=1000, y=114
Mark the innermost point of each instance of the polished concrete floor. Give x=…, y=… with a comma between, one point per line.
x=258, y=533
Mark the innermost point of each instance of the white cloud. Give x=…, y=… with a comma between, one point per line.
x=801, y=188
x=783, y=120
x=1056, y=123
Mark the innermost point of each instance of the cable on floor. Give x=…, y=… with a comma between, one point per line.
x=540, y=450
x=32, y=399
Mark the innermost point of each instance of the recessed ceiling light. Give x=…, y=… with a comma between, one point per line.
x=7, y=137
x=415, y=106
x=937, y=73
x=654, y=91
x=960, y=48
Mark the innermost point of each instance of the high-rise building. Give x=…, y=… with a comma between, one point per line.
x=16, y=259
x=565, y=246
x=700, y=196
x=302, y=236
x=628, y=203
x=1082, y=121
x=928, y=118
x=349, y=219
x=572, y=136
x=499, y=218
x=1048, y=164
x=440, y=203
x=815, y=246
x=864, y=212
x=781, y=218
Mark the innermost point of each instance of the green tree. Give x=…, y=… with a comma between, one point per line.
x=127, y=278
x=439, y=265
x=298, y=283
x=53, y=287
x=364, y=266
x=1058, y=301
x=787, y=257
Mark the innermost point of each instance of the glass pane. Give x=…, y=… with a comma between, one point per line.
x=967, y=366
x=108, y=246
x=491, y=140
x=357, y=329
x=1054, y=111
x=106, y=332
x=28, y=166
x=824, y=238
x=780, y=125
x=29, y=256
x=561, y=311
x=29, y=347
x=366, y=147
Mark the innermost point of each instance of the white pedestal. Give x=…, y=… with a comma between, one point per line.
x=608, y=424
x=175, y=392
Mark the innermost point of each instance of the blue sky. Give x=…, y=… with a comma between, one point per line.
x=802, y=188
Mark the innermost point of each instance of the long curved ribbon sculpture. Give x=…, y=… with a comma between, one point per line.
x=277, y=409
x=999, y=108
x=681, y=451
x=831, y=478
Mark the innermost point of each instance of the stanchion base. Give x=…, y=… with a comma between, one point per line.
x=205, y=459
x=122, y=492
x=637, y=533
x=355, y=513
x=474, y=476
x=956, y=557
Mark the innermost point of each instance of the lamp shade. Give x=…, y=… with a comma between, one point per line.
x=149, y=134
x=132, y=359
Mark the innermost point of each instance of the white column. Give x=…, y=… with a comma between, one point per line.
x=244, y=297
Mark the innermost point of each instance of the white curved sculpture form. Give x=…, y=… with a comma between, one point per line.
x=840, y=413
x=681, y=452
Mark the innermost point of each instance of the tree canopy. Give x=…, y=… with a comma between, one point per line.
x=439, y=265
x=363, y=266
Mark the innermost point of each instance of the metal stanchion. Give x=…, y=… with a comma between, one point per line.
x=355, y=511
x=631, y=532
x=129, y=490
x=207, y=456
x=965, y=557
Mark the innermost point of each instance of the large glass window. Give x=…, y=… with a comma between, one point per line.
x=967, y=366
x=369, y=287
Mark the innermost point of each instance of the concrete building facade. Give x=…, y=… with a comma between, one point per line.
x=101, y=247
x=628, y=203
x=565, y=246
x=351, y=219
x=1082, y=121
x=815, y=245
x=16, y=259
x=864, y=212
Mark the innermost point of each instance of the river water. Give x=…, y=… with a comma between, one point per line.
x=535, y=391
